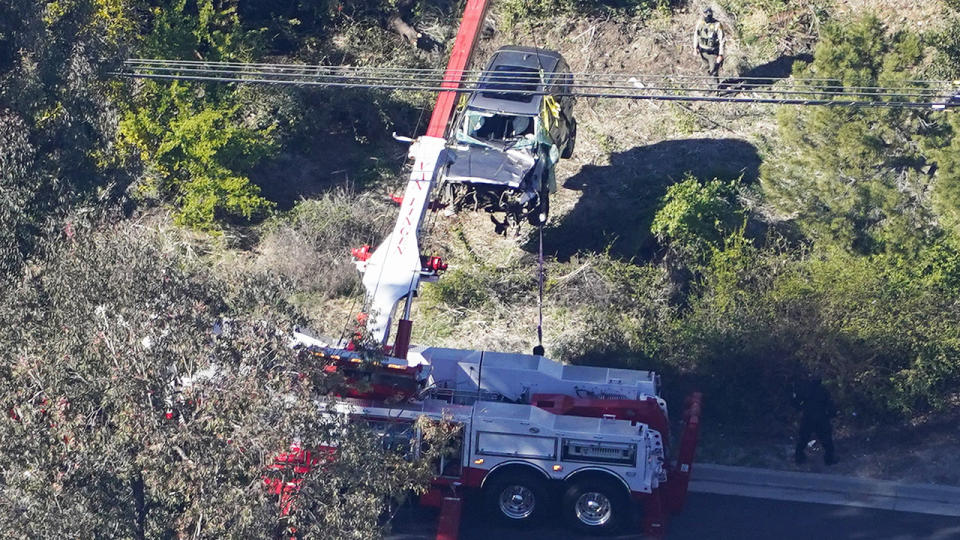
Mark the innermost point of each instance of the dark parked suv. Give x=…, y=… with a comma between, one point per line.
x=514, y=128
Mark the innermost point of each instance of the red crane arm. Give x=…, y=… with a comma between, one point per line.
x=473, y=16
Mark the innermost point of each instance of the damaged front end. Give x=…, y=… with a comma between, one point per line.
x=515, y=181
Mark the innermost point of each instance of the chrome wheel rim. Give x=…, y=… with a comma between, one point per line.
x=593, y=509
x=517, y=502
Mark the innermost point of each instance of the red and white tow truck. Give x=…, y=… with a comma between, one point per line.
x=535, y=434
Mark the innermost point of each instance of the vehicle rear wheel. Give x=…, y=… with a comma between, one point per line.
x=571, y=141
x=516, y=498
x=596, y=506
x=539, y=215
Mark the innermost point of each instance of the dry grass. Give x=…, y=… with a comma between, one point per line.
x=918, y=15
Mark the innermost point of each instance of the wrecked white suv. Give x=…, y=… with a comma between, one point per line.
x=513, y=130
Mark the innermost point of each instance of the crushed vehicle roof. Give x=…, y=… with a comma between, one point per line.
x=513, y=69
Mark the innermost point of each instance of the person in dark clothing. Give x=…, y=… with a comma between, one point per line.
x=816, y=410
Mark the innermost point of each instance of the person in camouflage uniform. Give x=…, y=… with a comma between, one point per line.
x=709, y=42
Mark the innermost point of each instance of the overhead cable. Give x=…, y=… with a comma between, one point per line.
x=787, y=91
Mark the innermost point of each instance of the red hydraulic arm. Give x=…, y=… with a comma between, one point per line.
x=301, y=462
x=473, y=16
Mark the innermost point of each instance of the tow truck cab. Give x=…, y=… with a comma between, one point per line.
x=512, y=131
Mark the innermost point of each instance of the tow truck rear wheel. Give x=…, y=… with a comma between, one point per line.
x=596, y=506
x=516, y=498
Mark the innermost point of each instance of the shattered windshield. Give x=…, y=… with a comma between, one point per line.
x=499, y=130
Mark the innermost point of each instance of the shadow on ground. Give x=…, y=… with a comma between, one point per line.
x=620, y=199
x=764, y=75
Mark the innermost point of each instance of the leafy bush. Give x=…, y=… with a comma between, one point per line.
x=883, y=331
x=695, y=217
x=623, y=311
x=946, y=42
x=145, y=394
x=194, y=140
x=481, y=286
x=943, y=146
x=56, y=119
x=198, y=151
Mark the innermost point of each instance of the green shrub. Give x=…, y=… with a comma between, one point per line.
x=946, y=42
x=57, y=118
x=851, y=177
x=480, y=286
x=199, y=152
x=461, y=287
x=943, y=145
x=623, y=311
x=695, y=217
x=193, y=139
x=883, y=331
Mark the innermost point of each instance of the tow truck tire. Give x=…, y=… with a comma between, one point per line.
x=596, y=505
x=516, y=498
x=571, y=141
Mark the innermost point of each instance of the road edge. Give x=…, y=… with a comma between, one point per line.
x=825, y=489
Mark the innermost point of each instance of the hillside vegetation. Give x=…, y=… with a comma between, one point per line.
x=733, y=248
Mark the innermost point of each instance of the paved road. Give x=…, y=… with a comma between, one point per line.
x=724, y=517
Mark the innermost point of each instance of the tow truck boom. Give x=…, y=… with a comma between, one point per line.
x=393, y=271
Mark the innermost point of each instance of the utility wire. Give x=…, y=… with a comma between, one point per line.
x=405, y=84
x=504, y=78
x=944, y=100
x=440, y=71
x=911, y=93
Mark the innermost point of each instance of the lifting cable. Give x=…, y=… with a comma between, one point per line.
x=539, y=350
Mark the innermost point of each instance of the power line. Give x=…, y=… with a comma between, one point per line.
x=403, y=82
x=439, y=71
x=772, y=90
x=942, y=99
x=404, y=77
